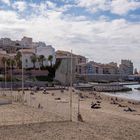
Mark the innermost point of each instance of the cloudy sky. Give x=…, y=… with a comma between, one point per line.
x=102, y=30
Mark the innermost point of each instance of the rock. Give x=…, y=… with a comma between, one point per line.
x=119, y=105
x=58, y=98
x=99, y=102
x=114, y=102
x=129, y=110
x=80, y=118
x=95, y=106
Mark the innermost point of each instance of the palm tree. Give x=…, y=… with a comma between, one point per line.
x=39, y=61
x=4, y=60
x=13, y=63
x=42, y=59
x=50, y=59
x=33, y=59
x=8, y=62
x=18, y=59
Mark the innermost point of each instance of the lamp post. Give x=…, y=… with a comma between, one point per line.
x=22, y=78
x=11, y=73
x=78, y=103
x=5, y=76
x=71, y=88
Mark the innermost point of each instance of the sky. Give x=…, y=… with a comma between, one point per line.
x=101, y=30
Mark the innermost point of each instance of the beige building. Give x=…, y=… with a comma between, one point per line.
x=63, y=73
x=98, y=68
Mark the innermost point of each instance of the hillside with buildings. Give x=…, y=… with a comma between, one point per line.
x=28, y=48
x=34, y=57
x=84, y=71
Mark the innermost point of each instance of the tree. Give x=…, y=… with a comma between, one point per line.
x=52, y=70
x=4, y=60
x=33, y=60
x=18, y=59
x=42, y=59
x=50, y=59
x=12, y=63
x=39, y=61
x=135, y=71
x=8, y=63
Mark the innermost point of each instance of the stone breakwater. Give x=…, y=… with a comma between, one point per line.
x=103, y=87
x=111, y=88
x=137, y=88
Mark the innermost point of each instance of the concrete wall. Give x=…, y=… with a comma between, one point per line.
x=63, y=73
x=103, y=77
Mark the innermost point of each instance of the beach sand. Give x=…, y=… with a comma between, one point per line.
x=50, y=122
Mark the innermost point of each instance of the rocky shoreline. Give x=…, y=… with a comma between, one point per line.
x=112, y=88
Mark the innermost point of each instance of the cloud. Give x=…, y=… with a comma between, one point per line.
x=50, y=4
x=119, y=7
x=10, y=24
x=94, y=5
x=6, y=1
x=19, y=5
x=101, y=40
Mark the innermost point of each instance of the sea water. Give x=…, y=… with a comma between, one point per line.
x=134, y=94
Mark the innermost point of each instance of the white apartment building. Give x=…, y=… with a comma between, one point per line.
x=41, y=49
x=27, y=53
x=46, y=50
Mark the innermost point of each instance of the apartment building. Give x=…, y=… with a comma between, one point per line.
x=126, y=67
x=98, y=68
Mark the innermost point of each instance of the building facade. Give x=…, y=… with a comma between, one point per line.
x=98, y=68
x=29, y=48
x=63, y=73
x=46, y=50
x=126, y=67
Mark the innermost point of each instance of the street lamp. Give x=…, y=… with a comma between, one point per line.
x=22, y=78
x=11, y=74
x=71, y=88
x=5, y=76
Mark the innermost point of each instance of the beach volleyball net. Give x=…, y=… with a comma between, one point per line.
x=34, y=106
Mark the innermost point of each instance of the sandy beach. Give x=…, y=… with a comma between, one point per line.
x=46, y=116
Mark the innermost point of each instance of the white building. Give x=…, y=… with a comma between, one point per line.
x=27, y=53
x=41, y=49
x=45, y=50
